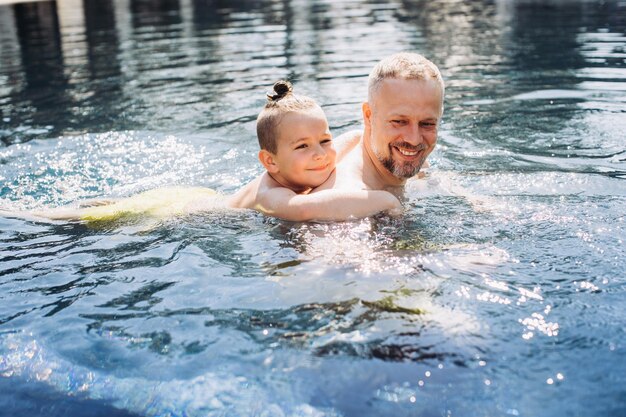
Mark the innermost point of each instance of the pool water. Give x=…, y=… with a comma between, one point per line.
x=500, y=292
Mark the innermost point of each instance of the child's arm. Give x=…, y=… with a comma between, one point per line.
x=345, y=142
x=326, y=205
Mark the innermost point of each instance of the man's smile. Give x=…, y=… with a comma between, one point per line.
x=407, y=150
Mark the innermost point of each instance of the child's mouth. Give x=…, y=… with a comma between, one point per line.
x=320, y=168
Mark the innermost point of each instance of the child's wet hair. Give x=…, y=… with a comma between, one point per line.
x=280, y=101
x=281, y=89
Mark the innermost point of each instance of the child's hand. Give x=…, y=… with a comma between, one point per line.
x=396, y=211
x=421, y=174
x=395, y=206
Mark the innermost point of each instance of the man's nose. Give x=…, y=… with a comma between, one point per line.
x=414, y=135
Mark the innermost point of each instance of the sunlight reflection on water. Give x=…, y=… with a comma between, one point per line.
x=503, y=276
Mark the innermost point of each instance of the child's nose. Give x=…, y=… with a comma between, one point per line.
x=320, y=152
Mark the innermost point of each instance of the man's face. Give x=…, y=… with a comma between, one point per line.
x=404, y=116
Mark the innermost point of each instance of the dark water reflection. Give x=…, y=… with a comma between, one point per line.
x=191, y=65
x=500, y=292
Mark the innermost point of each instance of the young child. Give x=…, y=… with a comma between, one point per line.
x=298, y=154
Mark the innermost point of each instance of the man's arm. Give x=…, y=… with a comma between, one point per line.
x=345, y=142
x=326, y=205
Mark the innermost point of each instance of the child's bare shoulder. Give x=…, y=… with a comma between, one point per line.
x=250, y=195
x=270, y=188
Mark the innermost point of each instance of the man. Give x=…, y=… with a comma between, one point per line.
x=401, y=118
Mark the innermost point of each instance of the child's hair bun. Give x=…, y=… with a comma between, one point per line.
x=281, y=89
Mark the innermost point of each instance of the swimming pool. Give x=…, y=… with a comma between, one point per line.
x=499, y=292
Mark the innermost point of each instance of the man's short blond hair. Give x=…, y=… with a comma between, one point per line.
x=403, y=66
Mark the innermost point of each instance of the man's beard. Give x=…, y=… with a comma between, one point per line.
x=401, y=170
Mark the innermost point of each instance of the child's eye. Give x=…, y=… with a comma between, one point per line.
x=303, y=146
x=326, y=141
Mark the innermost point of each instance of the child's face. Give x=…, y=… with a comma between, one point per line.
x=305, y=155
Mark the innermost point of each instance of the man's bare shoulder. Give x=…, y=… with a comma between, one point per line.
x=348, y=174
x=346, y=142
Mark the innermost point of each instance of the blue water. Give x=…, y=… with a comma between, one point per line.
x=500, y=292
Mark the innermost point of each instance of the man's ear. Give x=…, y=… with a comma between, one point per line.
x=367, y=114
x=268, y=161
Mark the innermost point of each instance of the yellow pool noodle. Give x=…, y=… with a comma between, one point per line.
x=158, y=203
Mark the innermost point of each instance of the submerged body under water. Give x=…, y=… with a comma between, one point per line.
x=500, y=291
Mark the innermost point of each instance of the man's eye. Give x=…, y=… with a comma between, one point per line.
x=399, y=122
x=428, y=124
